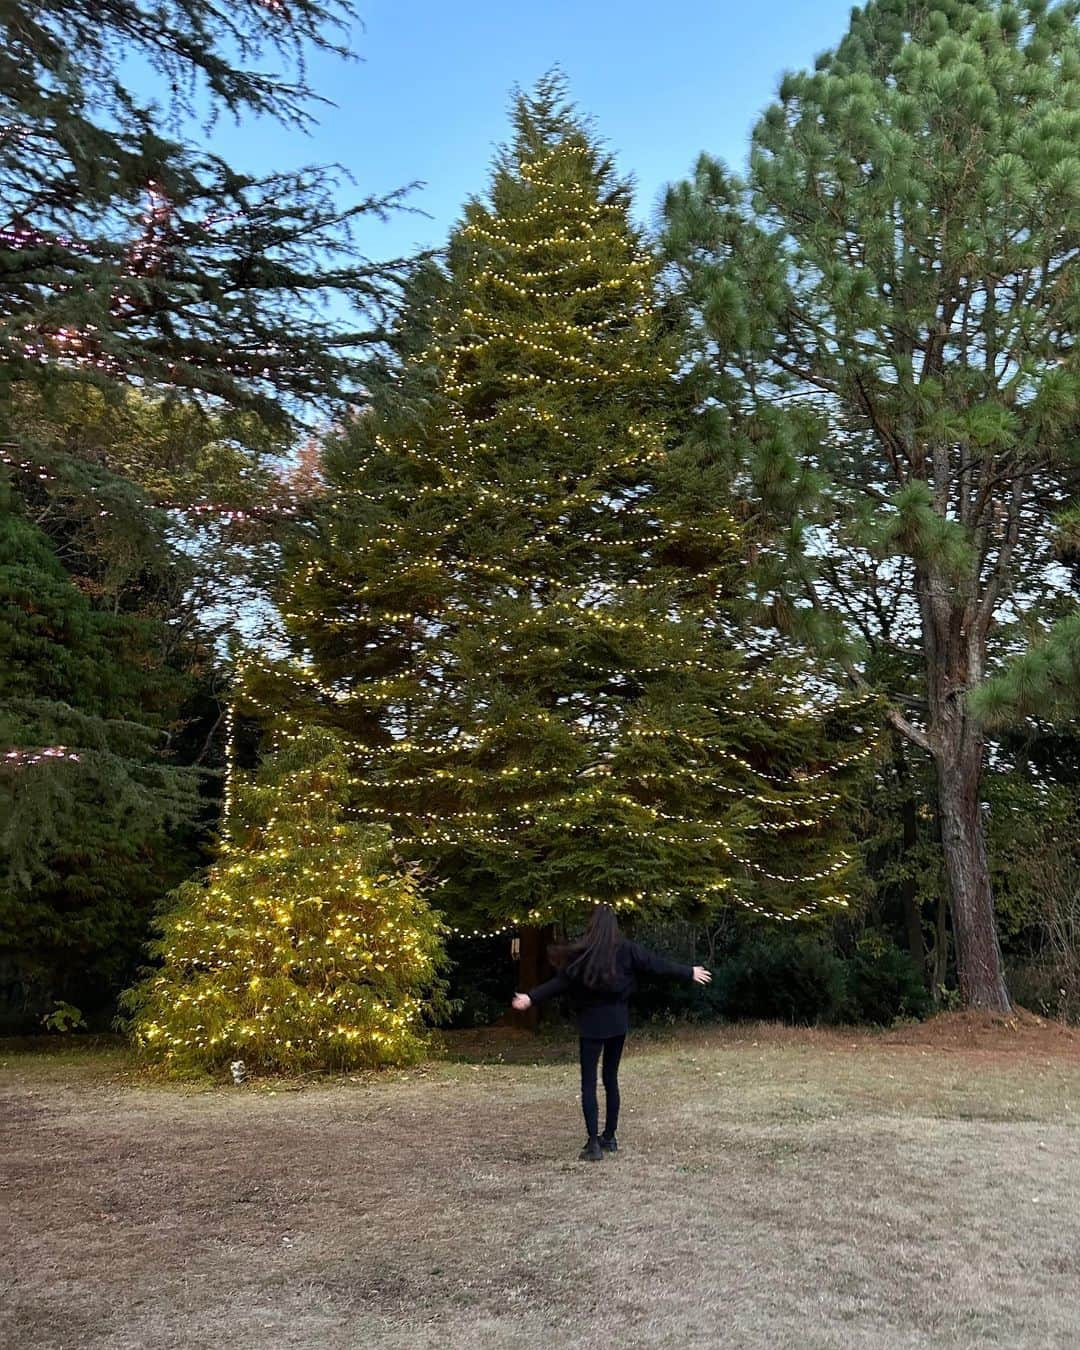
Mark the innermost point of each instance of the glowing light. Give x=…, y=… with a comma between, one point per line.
x=21, y=759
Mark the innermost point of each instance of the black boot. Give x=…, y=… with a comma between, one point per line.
x=609, y=1143
x=592, y=1152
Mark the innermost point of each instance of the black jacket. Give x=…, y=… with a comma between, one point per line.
x=605, y=1012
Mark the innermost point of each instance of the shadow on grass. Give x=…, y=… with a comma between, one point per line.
x=555, y=1042
x=75, y=1046
x=552, y=1044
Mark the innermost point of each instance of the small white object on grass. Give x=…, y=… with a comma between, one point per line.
x=239, y=1071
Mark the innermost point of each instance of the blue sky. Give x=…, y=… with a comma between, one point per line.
x=429, y=100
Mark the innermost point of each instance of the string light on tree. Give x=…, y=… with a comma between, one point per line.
x=515, y=598
x=307, y=946
x=23, y=758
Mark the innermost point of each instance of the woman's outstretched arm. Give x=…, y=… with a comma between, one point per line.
x=558, y=984
x=653, y=964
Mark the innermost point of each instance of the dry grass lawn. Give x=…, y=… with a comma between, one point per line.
x=775, y=1188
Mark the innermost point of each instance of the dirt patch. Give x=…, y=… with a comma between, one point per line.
x=991, y=1034
x=775, y=1188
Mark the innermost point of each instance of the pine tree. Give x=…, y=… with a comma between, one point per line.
x=305, y=947
x=903, y=260
x=131, y=531
x=97, y=816
x=131, y=259
x=128, y=255
x=1043, y=683
x=519, y=596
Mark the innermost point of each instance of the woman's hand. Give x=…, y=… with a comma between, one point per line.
x=522, y=1002
x=701, y=976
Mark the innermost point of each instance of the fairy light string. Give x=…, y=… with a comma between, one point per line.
x=282, y=507
x=518, y=531
x=306, y=945
x=229, y=768
x=22, y=758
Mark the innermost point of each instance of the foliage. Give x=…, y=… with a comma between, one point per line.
x=180, y=454
x=64, y=1017
x=1044, y=682
x=131, y=261
x=787, y=980
x=160, y=504
x=883, y=983
x=1035, y=828
x=96, y=808
x=811, y=975
x=129, y=255
x=517, y=580
x=884, y=311
x=519, y=593
x=481, y=980
x=305, y=947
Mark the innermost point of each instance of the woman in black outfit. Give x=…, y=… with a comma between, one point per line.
x=598, y=971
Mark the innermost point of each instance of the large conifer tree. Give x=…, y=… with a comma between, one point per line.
x=133, y=258
x=518, y=595
x=98, y=801
x=127, y=253
x=904, y=258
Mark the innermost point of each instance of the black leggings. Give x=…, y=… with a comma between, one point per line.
x=591, y=1048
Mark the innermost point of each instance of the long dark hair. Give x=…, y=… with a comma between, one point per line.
x=591, y=958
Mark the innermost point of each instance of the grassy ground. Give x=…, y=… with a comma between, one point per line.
x=787, y=1189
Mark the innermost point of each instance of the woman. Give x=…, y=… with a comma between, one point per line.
x=598, y=971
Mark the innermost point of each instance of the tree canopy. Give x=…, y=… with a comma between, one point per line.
x=128, y=253
x=518, y=589
x=901, y=266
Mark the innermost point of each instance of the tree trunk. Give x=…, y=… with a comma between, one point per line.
x=533, y=967
x=963, y=837
x=954, y=640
